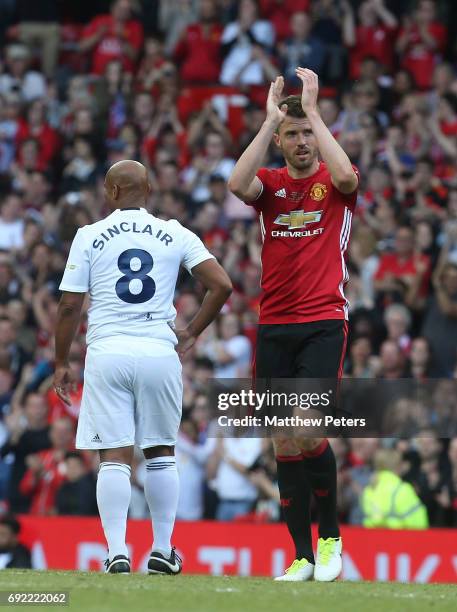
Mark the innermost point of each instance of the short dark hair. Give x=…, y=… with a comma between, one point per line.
x=294, y=107
x=10, y=521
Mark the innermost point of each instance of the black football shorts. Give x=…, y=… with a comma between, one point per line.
x=301, y=350
x=310, y=356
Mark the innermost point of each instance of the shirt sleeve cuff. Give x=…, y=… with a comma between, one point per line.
x=198, y=260
x=73, y=288
x=260, y=192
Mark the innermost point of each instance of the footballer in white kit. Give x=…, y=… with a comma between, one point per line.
x=129, y=263
x=132, y=395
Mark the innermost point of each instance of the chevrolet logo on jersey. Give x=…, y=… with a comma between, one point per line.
x=297, y=219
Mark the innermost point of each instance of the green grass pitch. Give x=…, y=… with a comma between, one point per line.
x=138, y=592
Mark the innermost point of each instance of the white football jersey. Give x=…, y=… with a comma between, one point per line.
x=129, y=263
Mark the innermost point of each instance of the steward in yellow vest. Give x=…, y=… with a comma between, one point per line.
x=390, y=502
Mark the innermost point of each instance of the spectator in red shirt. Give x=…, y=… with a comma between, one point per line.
x=373, y=37
x=57, y=408
x=113, y=36
x=421, y=41
x=153, y=66
x=447, y=114
x=45, y=471
x=28, y=158
x=425, y=193
x=199, y=49
x=167, y=134
x=403, y=275
x=279, y=13
x=35, y=126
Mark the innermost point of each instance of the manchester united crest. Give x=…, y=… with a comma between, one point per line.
x=318, y=192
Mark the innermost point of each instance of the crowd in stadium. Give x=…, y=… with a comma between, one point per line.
x=181, y=85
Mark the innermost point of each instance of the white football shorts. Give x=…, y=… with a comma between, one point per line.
x=132, y=395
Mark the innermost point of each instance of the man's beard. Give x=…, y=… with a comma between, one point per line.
x=301, y=164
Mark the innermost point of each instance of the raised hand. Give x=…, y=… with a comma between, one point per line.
x=274, y=113
x=310, y=90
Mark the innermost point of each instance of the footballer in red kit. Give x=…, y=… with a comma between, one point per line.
x=307, y=220
x=305, y=211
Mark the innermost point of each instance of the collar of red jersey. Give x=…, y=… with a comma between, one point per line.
x=304, y=178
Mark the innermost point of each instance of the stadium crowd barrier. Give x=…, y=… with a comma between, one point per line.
x=246, y=549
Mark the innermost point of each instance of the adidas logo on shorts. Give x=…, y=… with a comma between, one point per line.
x=281, y=193
x=96, y=438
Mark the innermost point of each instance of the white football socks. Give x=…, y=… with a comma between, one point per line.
x=113, y=499
x=161, y=489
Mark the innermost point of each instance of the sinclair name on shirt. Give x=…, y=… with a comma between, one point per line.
x=125, y=227
x=295, y=221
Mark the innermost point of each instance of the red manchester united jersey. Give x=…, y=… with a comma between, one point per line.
x=305, y=226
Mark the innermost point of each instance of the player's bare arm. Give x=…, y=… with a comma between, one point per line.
x=338, y=163
x=243, y=182
x=68, y=317
x=219, y=287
